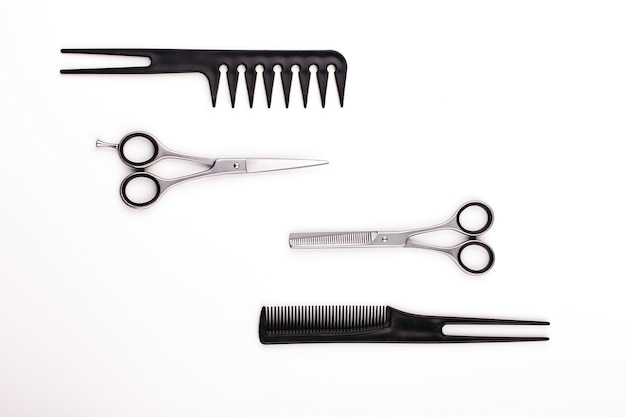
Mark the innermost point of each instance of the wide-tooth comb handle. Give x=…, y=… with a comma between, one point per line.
x=208, y=62
x=145, y=53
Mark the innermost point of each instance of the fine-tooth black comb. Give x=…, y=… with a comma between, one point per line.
x=208, y=62
x=326, y=324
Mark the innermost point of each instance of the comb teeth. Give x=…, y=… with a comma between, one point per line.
x=286, y=75
x=332, y=240
x=208, y=62
x=303, y=320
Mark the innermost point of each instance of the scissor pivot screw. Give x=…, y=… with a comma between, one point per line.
x=236, y=165
x=385, y=238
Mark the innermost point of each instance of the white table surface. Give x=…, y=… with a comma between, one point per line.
x=109, y=311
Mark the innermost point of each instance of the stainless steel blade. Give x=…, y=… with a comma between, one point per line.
x=331, y=240
x=265, y=164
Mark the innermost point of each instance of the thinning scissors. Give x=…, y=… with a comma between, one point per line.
x=219, y=166
x=403, y=238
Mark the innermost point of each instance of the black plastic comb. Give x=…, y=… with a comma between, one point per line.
x=327, y=324
x=208, y=62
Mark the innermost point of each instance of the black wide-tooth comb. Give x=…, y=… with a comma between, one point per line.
x=327, y=324
x=208, y=62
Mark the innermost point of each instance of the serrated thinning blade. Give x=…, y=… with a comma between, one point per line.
x=331, y=240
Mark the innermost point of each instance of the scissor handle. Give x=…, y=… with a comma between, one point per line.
x=457, y=255
x=156, y=146
x=456, y=220
x=159, y=184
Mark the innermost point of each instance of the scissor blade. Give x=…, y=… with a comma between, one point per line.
x=264, y=164
x=331, y=240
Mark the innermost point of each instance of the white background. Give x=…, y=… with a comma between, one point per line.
x=109, y=311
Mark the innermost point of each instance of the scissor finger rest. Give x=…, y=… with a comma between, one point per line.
x=121, y=149
x=155, y=153
x=463, y=264
x=457, y=219
x=159, y=184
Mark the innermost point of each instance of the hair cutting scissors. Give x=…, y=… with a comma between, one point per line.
x=403, y=238
x=218, y=166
